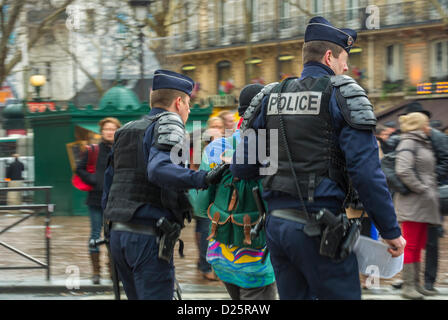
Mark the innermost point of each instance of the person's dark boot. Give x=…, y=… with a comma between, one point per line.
x=95, y=259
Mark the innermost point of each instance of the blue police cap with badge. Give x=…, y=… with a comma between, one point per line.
x=166, y=79
x=319, y=29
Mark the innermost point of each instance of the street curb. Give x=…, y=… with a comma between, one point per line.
x=59, y=286
x=53, y=286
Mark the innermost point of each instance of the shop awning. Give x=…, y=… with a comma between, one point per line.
x=90, y=126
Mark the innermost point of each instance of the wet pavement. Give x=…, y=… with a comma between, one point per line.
x=69, y=255
x=69, y=240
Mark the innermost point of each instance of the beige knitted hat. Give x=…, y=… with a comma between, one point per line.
x=413, y=121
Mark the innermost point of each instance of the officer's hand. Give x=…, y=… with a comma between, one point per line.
x=396, y=246
x=215, y=175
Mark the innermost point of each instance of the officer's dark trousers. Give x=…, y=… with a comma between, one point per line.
x=301, y=272
x=143, y=274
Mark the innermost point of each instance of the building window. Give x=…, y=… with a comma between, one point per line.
x=394, y=63
x=318, y=6
x=225, y=82
x=285, y=14
x=189, y=70
x=355, y=63
x=352, y=9
x=285, y=67
x=439, y=60
x=254, y=70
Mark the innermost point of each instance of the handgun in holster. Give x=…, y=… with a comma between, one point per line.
x=350, y=239
x=339, y=235
x=170, y=233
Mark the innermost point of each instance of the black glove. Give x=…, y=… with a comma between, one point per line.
x=214, y=176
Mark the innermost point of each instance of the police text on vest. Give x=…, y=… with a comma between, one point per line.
x=295, y=103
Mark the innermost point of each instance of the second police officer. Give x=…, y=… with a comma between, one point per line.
x=144, y=191
x=325, y=139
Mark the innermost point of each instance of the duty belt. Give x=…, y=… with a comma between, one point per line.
x=136, y=228
x=312, y=227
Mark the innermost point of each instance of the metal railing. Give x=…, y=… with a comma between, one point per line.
x=390, y=16
x=37, y=208
x=223, y=100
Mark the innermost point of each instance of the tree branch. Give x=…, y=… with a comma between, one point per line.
x=298, y=6
x=96, y=81
x=13, y=14
x=33, y=40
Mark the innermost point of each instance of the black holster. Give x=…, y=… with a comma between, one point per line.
x=339, y=235
x=170, y=233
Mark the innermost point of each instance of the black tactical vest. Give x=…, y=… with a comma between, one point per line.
x=309, y=133
x=130, y=188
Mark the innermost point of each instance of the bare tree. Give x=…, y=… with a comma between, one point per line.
x=98, y=30
x=10, y=12
x=296, y=3
x=163, y=15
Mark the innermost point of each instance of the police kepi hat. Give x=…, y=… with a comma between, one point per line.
x=166, y=79
x=319, y=29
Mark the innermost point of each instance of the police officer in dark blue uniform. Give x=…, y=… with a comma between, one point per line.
x=325, y=140
x=144, y=190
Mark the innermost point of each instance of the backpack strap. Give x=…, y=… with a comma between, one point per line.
x=215, y=221
x=92, y=157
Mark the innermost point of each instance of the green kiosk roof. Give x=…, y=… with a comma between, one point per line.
x=94, y=127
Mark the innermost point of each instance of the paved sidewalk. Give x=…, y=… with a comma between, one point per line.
x=69, y=258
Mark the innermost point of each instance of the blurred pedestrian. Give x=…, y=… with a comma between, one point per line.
x=229, y=121
x=218, y=124
x=415, y=166
x=15, y=179
x=439, y=143
x=108, y=126
x=388, y=136
x=15, y=169
x=202, y=224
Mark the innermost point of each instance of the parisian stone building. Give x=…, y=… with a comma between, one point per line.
x=401, y=45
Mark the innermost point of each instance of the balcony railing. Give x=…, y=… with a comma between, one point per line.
x=226, y=100
x=390, y=16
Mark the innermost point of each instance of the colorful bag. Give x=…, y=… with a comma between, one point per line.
x=92, y=157
x=234, y=212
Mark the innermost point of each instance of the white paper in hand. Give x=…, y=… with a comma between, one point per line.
x=374, y=253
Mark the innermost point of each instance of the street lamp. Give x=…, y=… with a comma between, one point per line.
x=140, y=11
x=37, y=81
